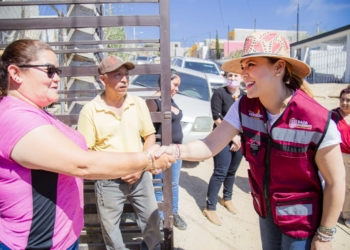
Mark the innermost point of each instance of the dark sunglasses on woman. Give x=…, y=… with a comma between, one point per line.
x=51, y=70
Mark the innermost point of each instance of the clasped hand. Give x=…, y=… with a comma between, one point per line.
x=162, y=159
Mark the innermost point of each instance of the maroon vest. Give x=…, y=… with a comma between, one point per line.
x=283, y=174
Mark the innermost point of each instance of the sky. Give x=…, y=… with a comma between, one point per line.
x=195, y=20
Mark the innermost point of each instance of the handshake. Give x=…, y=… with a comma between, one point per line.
x=163, y=157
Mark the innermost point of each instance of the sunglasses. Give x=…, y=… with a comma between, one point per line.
x=51, y=70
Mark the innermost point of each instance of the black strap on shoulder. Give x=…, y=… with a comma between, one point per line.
x=335, y=116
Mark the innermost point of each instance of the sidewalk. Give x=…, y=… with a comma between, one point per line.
x=237, y=232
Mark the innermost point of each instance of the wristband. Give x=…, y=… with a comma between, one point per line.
x=150, y=160
x=177, y=151
x=322, y=237
x=327, y=230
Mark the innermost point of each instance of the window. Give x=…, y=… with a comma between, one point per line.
x=178, y=63
x=194, y=86
x=203, y=67
x=146, y=80
x=191, y=86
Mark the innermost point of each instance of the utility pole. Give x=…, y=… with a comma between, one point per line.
x=297, y=22
x=254, y=24
x=209, y=39
x=185, y=46
x=228, y=40
x=318, y=28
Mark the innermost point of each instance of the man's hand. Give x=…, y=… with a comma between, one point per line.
x=155, y=171
x=236, y=145
x=163, y=157
x=317, y=244
x=132, y=178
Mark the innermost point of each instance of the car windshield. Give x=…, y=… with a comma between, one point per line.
x=192, y=86
x=142, y=58
x=202, y=67
x=146, y=80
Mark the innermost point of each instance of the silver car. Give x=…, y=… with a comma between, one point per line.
x=144, y=60
x=193, y=99
x=214, y=74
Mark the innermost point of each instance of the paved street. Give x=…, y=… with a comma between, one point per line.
x=239, y=231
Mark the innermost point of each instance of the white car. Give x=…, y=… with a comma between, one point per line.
x=144, y=60
x=214, y=74
x=193, y=99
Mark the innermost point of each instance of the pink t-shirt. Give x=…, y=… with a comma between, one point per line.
x=344, y=129
x=38, y=209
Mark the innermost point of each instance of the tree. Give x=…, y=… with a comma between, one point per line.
x=217, y=46
x=115, y=33
x=235, y=54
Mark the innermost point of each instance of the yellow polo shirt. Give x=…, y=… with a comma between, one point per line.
x=106, y=131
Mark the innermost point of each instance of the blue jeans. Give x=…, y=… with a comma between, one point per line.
x=176, y=169
x=226, y=163
x=272, y=237
x=110, y=198
x=3, y=246
x=75, y=246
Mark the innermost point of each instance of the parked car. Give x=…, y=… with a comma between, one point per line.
x=144, y=60
x=193, y=99
x=220, y=62
x=215, y=77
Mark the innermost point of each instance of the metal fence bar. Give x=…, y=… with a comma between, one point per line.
x=28, y=3
x=95, y=42
x=79, y=22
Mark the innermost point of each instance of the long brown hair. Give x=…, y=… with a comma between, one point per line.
x=291, y=79
x=18, y=52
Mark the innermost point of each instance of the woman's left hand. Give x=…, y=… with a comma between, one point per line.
x=236, y=145
x=317, y=244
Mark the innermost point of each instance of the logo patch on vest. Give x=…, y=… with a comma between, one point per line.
x=255, y=115
x=294, y=123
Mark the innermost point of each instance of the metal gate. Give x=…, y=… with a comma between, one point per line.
x=77, y=31
x=327, y=63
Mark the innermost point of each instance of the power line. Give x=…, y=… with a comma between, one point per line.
x=199, y=35
x=250, y=10
x=222, y=18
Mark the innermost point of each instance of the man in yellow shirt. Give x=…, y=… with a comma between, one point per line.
x=115, y=121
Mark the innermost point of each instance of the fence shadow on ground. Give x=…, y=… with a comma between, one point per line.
x=243, y=184
x=196, y=187
x=190, y=164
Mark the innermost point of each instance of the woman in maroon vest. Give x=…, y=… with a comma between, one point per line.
x=290, y=143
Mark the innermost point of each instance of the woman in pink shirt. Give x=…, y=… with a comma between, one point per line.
x=343, y=124
x=43, y=161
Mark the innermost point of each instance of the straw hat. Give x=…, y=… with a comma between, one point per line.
x=267, y=44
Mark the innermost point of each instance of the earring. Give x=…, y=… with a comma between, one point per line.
x=278, y=73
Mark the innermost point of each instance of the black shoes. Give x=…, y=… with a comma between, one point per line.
x=179, y=222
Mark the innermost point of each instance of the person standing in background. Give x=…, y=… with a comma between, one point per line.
x=227, y=161
x=177, y=136
x=342, y=118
